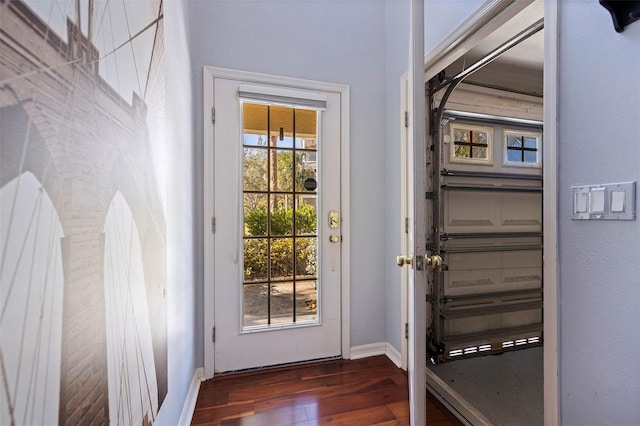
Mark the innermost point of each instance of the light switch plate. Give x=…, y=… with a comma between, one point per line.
x=610, y=201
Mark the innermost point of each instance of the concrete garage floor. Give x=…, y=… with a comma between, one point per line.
x=507, y=388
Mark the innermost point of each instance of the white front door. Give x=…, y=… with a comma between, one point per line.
x=277, y=240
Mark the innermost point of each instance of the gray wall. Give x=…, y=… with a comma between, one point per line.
x=340, y=42
x=183, y=357
x=599, y=135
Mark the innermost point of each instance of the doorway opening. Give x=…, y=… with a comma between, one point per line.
x=486, y=206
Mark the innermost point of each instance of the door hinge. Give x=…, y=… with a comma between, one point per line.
x=430, y=195
x=406, y=225
x=406, y=330
x=213, y=225
x=213, y=115
x=213, y=335
x=406, y=119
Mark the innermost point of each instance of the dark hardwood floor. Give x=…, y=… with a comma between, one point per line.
x=369, y=391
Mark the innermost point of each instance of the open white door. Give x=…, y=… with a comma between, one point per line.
x=416, y=180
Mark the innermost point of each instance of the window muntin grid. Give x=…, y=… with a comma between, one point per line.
x=280, y=241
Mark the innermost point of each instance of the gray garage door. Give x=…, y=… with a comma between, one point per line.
x=486, y=199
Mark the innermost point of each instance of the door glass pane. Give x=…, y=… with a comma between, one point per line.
x=306, y=257
x=281, y=214
x=255, y=214
x=281, y=253
x=281, y=303
x=306, y=215
x=254, y=120
x=255, y=259
x=255, y=169
x=280, y=195
x=254, y=304
x=281, y=126
x=281, y=168
x=306, y=171
x=306, y=303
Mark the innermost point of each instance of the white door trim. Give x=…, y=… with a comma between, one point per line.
x=550, y=216
x=209, y=74
x=488, y=18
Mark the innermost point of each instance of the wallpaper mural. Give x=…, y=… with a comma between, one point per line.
x=83, y=310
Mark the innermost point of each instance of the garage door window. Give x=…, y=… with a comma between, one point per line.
x=471, y=144
x=522, y=148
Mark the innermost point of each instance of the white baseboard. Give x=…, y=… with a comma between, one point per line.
x=192, y=397
x=371, y=349
x=375, y=349
x=393, y=355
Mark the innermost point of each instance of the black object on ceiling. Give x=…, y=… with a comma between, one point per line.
x=623, y=12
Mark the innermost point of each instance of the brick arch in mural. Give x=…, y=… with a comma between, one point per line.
x=139, y=191
x=83, y=142
x=31, y=292
x=131, y=361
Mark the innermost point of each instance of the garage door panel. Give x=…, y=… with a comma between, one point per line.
x=471, y=325
x=469, y=212
x=478, y=273
x=520, y=213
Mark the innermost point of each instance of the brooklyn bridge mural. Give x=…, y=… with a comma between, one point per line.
x=83, y=310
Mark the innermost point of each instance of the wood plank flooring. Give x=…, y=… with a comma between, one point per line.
x=369, y=391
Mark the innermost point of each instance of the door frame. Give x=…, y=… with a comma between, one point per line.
x=209, y=74
x=488, y=18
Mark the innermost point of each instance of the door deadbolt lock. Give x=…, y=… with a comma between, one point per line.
x=334, y=238
x=334, y=219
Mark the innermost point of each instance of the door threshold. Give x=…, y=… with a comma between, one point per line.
x=276, y=367
x=453, y=401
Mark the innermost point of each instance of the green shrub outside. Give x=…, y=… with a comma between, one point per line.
x=255, y=250
x=281, y=221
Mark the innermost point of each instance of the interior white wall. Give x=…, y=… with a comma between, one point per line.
x=599, y=130
x=184, y=338
x=340, y=42
x=443, y=16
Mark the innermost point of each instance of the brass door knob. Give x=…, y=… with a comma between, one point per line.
x=435, y=262
x=334, y=238
x=404, y=260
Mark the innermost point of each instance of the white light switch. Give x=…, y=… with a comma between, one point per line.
x=604, y=201
x=581, y=202
x=596, y=200
x=617, y=201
